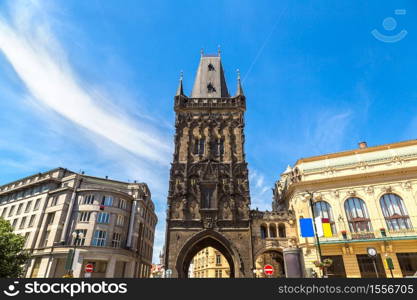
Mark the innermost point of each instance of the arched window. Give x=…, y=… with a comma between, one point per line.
x=357, y=215
x=324, y=210
x=263, y=232
x=395, y=213
x=272, y=231
x=281, y=230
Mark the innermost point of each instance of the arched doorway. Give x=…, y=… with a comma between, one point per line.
x=197, y=244
x=273, y=258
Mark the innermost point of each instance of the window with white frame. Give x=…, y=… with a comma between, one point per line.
x=28, y=205
x=122, y=203
x=19, y=209
x=11, y=211
x=120, y=220
x=37, y=204
x=31, y=220
x=84, y=216
x=88, y=199
x=22, y=223
x=14, y=223
x=99, y=238
x=117, y=239
x=45, y=239
x=107, y=200
x=103, y=217
x=79, y=241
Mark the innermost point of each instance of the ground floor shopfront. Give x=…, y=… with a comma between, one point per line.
x=107, y=263
x=350, y=259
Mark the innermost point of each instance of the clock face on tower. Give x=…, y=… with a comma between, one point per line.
x=371, y=251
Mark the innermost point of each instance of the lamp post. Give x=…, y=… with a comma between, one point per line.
x=309, y=196
x=76, y=236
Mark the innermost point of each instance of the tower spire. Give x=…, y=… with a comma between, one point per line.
x=239, y=90
x=180, y=90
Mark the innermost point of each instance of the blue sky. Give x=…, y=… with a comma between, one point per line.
x=89, y=85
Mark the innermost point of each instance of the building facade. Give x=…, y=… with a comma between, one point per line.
x=210, y=263
x=208, y=196
x=110, y=224
x=369, y=197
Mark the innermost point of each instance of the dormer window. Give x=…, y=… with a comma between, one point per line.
x=211, y=67
x=211, y=88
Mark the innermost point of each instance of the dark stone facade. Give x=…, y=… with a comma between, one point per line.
x=208, y=198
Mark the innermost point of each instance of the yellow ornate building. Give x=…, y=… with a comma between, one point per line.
x=209, y=263
x=369, y=196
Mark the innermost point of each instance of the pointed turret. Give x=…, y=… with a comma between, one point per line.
x=239, y=90
x=210, y=81
x=180, y=89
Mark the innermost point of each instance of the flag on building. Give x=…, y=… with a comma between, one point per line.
x=306, y=226
x=323, y=227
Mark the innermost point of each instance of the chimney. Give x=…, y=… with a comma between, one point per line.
x=362, y=145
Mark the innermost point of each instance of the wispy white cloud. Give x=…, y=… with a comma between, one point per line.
x=121, y=143
x=41, y=64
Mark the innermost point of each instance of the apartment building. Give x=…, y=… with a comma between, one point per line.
x=109, y=224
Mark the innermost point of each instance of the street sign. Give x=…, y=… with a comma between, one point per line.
x=89, y=268
x=268, y=270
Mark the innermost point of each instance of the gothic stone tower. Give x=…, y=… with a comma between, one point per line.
x=208, y=199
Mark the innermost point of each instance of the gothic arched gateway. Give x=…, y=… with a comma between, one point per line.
x=208, y=197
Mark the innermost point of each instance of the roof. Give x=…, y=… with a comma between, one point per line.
x=209, y=80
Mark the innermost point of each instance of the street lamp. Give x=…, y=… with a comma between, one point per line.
x=309, y=197
x=76, y=236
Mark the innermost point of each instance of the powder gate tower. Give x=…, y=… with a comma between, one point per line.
x=208, y=198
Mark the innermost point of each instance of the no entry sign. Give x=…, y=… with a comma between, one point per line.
x=268, y=270
x=89, y=268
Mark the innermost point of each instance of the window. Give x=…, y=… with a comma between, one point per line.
x=408, y=263
x=210, y=67
x=395, y=213
x=45, y=239
x=28, y=205
x=199, y=146
x=122, y=203
x=281, y=230
x=207, y=197
x=32, y=220
x=3, y=213
x=324, y=210
x=117, y=238
x=103, y=218
x=37, y=204
x=99, y=239
x=50, y=219
x=37, y=189
x=84, y=216
x=263, y=232
x=210, y=88
x=14, y=223
x=79, y=241
x=337, y=268
x=107, y=201
x=19, y=209
x=217, y=147
x=53, y=201
x=11, y=211
x=218, y=259
x=27, y=234
x=120, y=220
x=272, y=231
x=367, y=266
x=357, y=215
x=89, y=199
x=22, y=223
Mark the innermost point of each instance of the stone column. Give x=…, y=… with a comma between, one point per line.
x=111, y=265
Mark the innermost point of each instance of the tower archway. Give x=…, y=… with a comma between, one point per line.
x=208, y=238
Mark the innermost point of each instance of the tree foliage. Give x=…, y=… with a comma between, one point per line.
x=12, y=255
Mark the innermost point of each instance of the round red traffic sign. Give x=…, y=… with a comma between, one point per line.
x=89, y=268
x=268, y=270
